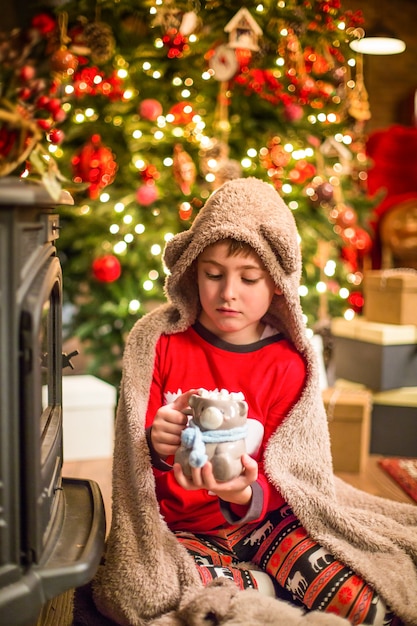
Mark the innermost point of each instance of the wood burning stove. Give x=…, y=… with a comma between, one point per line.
x=51, y=528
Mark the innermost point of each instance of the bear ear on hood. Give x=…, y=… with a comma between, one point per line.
x=286, y=253
x=175, y=247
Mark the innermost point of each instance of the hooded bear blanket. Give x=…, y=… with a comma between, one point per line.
x=147, y=573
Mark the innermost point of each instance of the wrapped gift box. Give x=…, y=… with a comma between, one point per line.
x=394, y=422
x=348, y=412
x=391, y=296
x=88, y=417
x=380, y=356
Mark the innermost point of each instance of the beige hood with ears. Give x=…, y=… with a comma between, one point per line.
x=147, y=571
x=249, y=210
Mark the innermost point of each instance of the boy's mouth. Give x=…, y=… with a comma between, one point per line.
x=227, y=311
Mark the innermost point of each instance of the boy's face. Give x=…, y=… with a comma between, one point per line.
x=235, y=292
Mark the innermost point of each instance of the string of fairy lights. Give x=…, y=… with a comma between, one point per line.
x=125, y=229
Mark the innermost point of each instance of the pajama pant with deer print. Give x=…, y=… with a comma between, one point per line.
x=303, y=572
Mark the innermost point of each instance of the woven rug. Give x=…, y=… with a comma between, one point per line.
x=404, y=472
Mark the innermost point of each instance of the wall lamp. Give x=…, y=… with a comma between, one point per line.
x=379, y=41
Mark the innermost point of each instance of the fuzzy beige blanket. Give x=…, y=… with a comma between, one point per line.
x=148, y=575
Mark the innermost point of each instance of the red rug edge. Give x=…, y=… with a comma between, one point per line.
x=392, y=466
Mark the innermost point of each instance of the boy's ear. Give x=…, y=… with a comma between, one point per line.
x=278, y=291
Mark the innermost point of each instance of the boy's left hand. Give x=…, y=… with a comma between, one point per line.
x=237, y=491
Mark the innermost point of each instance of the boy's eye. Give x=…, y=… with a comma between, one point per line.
x=213, y=276
x=250, y=281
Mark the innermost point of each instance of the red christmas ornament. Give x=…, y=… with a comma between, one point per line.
x=350, y=257
x=325, y=192
x=43, y=23
x=27, y=73
x=359, y=239
x=44, y=124
x=146, y=194
x=64, y=62
x=56, y=136
x=356, y=301
x=94, y=164
x=263, y=83
x=106, y=268
x=302, y=171
x=176, y=43
x=8, y=140
x=149, y=173
x=185, y=211
x=346, y=217
x=184, y=169
x=150, y=109
x=244, y=57
x=182, y=113
x=275, y=157
x=87, y=81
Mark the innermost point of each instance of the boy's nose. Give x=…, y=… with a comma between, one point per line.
x=228, y=290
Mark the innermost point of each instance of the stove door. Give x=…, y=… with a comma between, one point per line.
x=41, y=410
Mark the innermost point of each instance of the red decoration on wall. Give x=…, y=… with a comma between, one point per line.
x=94, y=164
x=392, y=175
x=394, y=165
x=107, y=268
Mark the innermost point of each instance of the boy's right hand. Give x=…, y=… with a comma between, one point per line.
x=168, y=424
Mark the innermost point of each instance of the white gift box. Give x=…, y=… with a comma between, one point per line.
x=88, y=406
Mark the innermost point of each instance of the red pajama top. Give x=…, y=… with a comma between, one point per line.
x=271, y=375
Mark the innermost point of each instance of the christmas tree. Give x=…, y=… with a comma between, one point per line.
x=164, y=101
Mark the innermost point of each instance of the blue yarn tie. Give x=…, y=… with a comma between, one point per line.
x=194, y=439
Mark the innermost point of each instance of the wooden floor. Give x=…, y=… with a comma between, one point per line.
x=371, y=479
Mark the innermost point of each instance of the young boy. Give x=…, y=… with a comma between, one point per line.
x=233, y=321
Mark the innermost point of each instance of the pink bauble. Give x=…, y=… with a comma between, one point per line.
x=146, y=194
x=293, y=112
x=150, y=109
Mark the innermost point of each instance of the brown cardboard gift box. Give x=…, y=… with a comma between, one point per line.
x=348, y=411
x=391, y=296
x=379, y=356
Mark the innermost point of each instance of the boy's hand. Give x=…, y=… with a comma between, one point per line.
x=168, y=424
x=237, y=491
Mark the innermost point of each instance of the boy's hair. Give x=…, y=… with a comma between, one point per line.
x=238, y=247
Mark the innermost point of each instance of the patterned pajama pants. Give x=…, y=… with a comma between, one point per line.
x=303, y=572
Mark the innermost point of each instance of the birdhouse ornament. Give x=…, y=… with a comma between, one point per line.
x=244, y=31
